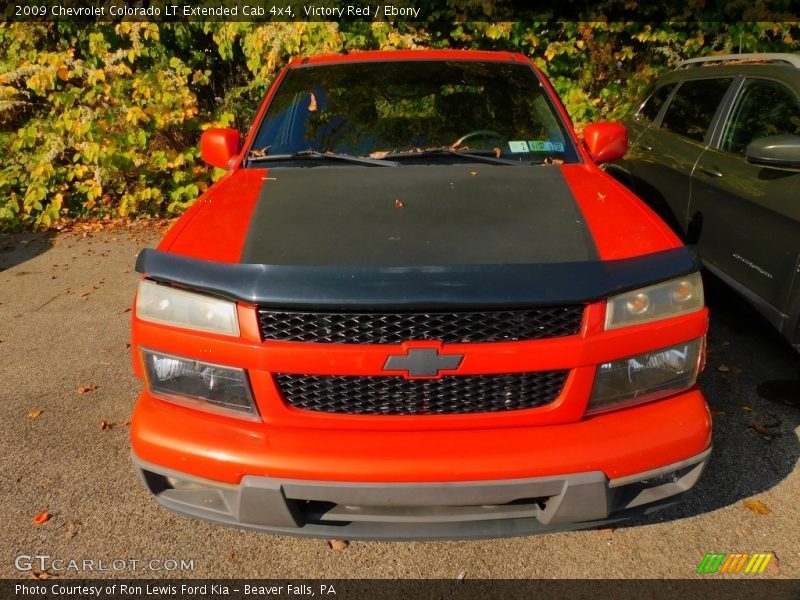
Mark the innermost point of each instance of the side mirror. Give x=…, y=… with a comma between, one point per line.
x=778, y=151
x=606, y=141
x=219, y=146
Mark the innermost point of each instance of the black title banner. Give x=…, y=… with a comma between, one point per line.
x=422, y=11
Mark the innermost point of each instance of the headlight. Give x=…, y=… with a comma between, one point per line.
x=199, y=385
x=163, y=304
x=660, y=301
x=645, y=377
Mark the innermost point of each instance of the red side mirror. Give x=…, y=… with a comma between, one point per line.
x=606, y=141
x=219, y=146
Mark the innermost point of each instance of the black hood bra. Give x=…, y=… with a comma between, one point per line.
x=416, y=215
x=465, y=286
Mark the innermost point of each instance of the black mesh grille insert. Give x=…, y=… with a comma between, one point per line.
x=393, y=328
x=455, y=394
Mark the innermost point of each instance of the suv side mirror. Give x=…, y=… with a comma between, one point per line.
x=778, y=151
x=606, y=141
x=219, y=146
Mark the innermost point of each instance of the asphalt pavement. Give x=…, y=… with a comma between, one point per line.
x=67, y=392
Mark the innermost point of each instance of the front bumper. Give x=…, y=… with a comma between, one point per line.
x=420, y=476
x=423, y=511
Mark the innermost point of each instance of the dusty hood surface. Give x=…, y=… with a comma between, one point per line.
x=416, y=215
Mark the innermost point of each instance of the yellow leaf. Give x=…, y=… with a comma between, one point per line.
x=549, y=54
x=757, y=506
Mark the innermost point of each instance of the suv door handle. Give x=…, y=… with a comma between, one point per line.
x=711, y=171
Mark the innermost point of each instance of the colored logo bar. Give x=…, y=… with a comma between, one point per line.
x=752, y=563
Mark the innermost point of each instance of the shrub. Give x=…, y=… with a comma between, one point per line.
x=104, y=120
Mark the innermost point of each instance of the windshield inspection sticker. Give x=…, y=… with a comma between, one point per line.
x=518, y=146
x=545, y=146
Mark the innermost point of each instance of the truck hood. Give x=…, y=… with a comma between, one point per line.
x=417, y=237
x=416, y=215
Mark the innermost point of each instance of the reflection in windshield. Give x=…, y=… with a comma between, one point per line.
x=374, y=108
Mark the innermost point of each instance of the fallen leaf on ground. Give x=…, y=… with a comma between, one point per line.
x=462, y=575
x=42, y=517
x=774, y=565
x=724, y=368
x=338, y=544
x=35, y=413
x=42, y=575
x=757, y=506
x=747, y=408
x=473, y=173
x=379, y=154
x=398, y=204
x=104, y=425
x=717, y=413
x=85, y=389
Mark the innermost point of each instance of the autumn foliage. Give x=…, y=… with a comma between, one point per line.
x=103, y=121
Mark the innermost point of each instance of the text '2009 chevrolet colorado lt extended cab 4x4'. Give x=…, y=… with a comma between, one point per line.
x=415, y=308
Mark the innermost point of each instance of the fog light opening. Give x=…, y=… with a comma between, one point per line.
x=175, y=483
x=662, y=479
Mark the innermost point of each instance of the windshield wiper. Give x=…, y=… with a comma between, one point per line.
x=445, y=150
x=302, y=154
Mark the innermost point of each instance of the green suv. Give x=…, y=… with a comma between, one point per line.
x=715, y=150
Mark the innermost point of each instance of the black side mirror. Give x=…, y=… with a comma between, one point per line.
x=778, y=151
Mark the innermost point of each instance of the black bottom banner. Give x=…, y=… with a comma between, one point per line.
x=417, y=589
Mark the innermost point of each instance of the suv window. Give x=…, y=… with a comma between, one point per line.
x=654, y=102
x=763, y=108
x=693, y=106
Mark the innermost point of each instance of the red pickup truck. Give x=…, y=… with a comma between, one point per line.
x=415, y=308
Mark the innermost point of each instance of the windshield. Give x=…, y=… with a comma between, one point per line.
x=379, y=109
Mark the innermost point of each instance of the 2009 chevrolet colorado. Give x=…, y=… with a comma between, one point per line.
x=415, y=308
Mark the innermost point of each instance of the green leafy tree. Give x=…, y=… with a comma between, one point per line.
x=103, y=121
